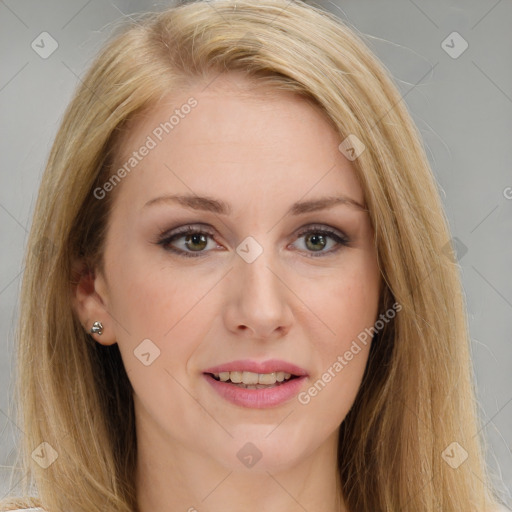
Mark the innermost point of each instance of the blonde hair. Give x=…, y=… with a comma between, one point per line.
x=417, y=394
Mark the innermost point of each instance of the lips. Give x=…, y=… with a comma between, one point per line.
x=256, y=384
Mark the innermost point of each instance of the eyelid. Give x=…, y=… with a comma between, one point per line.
x=196, y=227
x=165, y=238
x=321, y=228
x=341, y=239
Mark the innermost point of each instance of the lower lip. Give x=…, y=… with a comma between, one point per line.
x=257, y=398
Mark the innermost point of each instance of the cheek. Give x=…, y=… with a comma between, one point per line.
x=348, y=307
x=150, y=294
x=159, y=304
x=348, y=300
x=349, y=310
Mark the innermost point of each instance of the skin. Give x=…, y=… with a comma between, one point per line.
x=260, y=152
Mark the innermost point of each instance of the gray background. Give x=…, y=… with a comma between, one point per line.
x=462, y=106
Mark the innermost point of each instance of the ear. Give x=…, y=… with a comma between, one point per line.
x=89, y=300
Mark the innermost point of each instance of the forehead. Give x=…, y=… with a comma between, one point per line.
x=227, y=89
x=237, y=135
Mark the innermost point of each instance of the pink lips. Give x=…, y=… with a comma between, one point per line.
x=257, y=398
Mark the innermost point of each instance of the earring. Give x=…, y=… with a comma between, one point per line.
x=97, y=328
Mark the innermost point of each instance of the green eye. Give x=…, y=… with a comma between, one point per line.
x=317, y=239
x=195, y=241
x=192, y=241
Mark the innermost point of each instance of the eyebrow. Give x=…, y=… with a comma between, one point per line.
x=210, y=204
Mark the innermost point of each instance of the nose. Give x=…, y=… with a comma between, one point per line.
x=258, y=299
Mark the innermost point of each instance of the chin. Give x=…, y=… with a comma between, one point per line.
x=262, y=449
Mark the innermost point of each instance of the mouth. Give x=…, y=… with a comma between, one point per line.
x=256, y=385
x=251, y=380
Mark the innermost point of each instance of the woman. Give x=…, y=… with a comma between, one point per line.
x=237, y=291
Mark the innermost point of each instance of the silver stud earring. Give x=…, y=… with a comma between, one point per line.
x=97, y=328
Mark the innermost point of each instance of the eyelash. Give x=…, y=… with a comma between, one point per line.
x=166, y=239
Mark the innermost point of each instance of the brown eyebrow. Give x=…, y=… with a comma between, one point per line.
x=220, y=207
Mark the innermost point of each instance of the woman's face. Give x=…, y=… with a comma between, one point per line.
x=274, y=279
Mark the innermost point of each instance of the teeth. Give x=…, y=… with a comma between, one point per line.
x=251, y=379
x=235, y=377
x=267, y=378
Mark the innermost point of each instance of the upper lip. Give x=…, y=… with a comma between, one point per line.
x=269, y=366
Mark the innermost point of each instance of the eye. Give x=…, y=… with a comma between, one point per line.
x=194, y=241
x=317, y=238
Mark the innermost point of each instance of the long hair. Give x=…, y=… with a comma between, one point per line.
x=417, y=395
